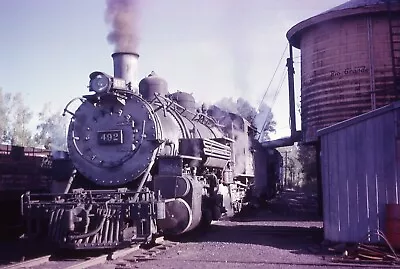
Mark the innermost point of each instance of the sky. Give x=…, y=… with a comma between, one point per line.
x=211, y=48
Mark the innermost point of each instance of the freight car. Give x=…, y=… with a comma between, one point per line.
x=22, y=169
x=144, y=162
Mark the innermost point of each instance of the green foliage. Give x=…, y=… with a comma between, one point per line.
x=4, y=115
x=299, y=167
x=51, y=129
x=292, y=168
x=16, y=117
x=264, y=122
x=262, y=119
x=308, y=158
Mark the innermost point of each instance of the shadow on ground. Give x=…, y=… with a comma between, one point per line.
x=289, y=205
x=290, y=221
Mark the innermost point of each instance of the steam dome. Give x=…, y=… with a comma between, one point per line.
x=153, y=85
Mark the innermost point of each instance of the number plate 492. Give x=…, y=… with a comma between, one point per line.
x=112, y=137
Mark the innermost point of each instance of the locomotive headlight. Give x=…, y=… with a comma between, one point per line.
x=99, y=82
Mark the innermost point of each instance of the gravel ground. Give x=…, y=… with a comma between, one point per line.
x=285, y=233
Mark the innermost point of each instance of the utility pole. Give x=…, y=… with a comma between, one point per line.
x=286, y=168
x=292, y=111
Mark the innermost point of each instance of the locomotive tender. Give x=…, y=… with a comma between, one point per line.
x=144, y=162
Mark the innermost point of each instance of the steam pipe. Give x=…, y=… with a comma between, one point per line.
x=87, y=234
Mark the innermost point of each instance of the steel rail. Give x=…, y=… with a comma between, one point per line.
x=104, y=258
x=111, y=256
x=28, y=263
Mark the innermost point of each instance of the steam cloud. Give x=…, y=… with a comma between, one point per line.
x=123, y=17
x=237, y=40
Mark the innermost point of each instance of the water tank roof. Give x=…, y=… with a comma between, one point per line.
x=357, y=4
x=350, y=8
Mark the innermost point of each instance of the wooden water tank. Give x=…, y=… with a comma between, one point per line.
x=346, y=62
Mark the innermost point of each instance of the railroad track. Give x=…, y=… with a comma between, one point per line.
x=120, y=258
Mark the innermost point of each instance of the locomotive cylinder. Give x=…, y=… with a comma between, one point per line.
x=125, y=67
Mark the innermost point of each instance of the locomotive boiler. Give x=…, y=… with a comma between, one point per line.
x=145, y=162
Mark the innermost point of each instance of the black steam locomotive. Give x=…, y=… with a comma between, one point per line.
x=142, y=163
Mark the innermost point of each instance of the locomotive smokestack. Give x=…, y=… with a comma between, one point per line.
x=125, y=67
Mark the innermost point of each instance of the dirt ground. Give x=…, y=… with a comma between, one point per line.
x=286, y=232
x=283, y=233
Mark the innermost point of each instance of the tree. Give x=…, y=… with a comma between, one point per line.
x=308, y=158
x=18, y=117
x=264, y=122
x=262, y=119
x=51, y=129
x=246, y=110
x=292, y=168
x=4, y=115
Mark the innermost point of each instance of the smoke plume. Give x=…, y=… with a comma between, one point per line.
x=122, y=15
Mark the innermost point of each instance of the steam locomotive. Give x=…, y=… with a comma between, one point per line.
x=141, y=163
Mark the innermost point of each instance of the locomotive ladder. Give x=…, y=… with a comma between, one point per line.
x=394, y=34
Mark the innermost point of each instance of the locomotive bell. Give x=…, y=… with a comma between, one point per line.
x=151, y=85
